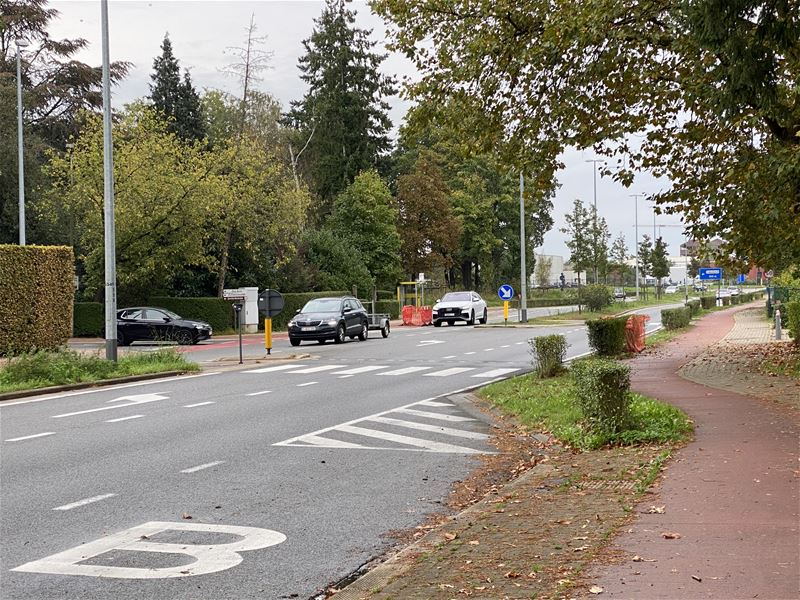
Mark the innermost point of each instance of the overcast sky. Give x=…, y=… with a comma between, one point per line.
x=202, y=32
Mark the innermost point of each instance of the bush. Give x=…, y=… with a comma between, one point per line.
x=389, y=307
x=597, y=297
x=602, y=389
x=607, y=336
x=675, y=318
x=548, y=353
x=88, y=319
x=694, y=306
x=217, y=312
x=793, y=320
x=726, y=301
x=708, y=302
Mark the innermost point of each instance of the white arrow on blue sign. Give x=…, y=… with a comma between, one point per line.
x=710, y=274
x=506, y=292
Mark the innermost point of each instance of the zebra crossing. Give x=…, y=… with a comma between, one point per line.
x=436, y=427
x=384, y=370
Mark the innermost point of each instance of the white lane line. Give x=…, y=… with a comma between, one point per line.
x=429, y=445
x=448, y=372
x=405, y=371
x=434, y=403
x=30, y=437
x=306, y=383
x=198, y=404
x=488, y=349
x=260, y=393
x=345, y=376
x=318, y=369
x=84, y=502
x=432, y=415
x=272, y=369
x=433, y=428
x=124, y=418
x=495, y=373
x=107, y=389
x=359, y=370
x=451, y=356
x=316, y=440
x=468, y=353
x=506, y=346
x=201, y=467
x=519, y=343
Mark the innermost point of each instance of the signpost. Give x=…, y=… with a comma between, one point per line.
x=238, y=296
x=270, y=304
x=712, y=274
x=506, y=293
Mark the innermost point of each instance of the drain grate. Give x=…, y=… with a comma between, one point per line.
x=608, y=484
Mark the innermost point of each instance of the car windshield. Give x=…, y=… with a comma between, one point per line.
x=457, y=297
x=323, y=305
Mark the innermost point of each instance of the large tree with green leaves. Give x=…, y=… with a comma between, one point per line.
x=343, y=116
x=659, y=262
x=618, y=257
x=579, y=242
x=702, y=93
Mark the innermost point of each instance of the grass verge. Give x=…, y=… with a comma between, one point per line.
x=44, y=369
x=549, y=405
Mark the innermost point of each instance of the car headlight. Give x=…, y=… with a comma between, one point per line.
x=292, y=323
x=331, y=322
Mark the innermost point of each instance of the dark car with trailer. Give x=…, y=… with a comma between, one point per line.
x=149, y=323
x=323, y=319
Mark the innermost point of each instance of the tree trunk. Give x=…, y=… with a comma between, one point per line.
x=223, y=263
x=466, y=274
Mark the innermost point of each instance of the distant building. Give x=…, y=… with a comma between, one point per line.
x=556, y=268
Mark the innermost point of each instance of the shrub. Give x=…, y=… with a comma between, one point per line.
x=708, y=302
x=607, y=336
x=793, y=319
x=597, y=297
x=602, y=389
x=88, y=319
x=726, y=301
x=675, y=318
x=694, y=306
x=548, y=353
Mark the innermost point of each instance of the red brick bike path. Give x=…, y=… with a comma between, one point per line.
x=732, y=494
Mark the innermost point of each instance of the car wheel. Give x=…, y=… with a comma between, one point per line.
x=340, y=334
x=485, y=318
x=184, y=337
x=294, y=341
x=471, y=318
x=121, y=339
x=364, y=333
x=436, y=324
x=385, y=330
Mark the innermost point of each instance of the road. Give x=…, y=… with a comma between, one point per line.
x=142, y=490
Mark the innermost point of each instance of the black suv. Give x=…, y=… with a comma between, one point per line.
x=325, y=319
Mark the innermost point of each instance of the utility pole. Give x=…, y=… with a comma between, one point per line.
x=594, y=162
x=636, y=243
x=20, y=147
x=523, y=280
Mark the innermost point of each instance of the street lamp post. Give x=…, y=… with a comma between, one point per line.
x=523, y=279
x=594, y=162
x=636, y=233
x=20, y=153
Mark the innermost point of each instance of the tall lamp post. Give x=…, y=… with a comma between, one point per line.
x=594, y=162
x=636, y=233
x=20, y=153
x=523, y=279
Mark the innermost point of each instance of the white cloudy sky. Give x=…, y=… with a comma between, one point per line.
x=203, y=31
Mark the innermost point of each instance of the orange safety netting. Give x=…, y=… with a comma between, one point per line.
x=634, y=333
x=415, y=316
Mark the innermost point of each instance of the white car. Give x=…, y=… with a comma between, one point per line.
x=671, y=289
x=460, y=306
x=723, y=293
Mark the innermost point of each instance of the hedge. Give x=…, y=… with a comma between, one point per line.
x=675, y=318
x=88, y=319
x=694, y=306
x=548, y=352
x=36, y=293
x=793, y=320
x=607, y=336
x=601, y=387
x=708, y=302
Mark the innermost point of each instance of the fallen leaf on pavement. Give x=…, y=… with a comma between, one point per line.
x=474, y=543
x=596, y=589
x=638, y=558
x=580, y=548
x=186, y=516
x=450, y=536
x=656, y=510
x=671, y=535
x=513, y=575
x=564, y=522
x=696, y=578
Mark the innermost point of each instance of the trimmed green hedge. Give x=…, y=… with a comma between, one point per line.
x=88, y=319
x=793, y=320
x=389, y=307
x=601, y=387
x=694, y=306
x=36, y=294
x=607, y=336
x=548, y=352
x=675, y=318
x=708, y=302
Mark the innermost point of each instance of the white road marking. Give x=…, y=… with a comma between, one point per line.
x=272, y=369
x=519, y=343
x=198, y=404
x=434, y=403
x=136, y=399
x=124, y=418
x=432, y=415
x=448, y=372
x=260, y=393
x=359, y=370
x=208, y=558
x=468, y=353
x=318, y=369
x=317, y=440
x=488, y=349
x=107, y=389
x=345, y=376
x=30, y=437
x=428, y=445
x=451, y=356
x=506, y=346
x=473, y=435
x=307, y=384
x=429, y=343
x=406, y=371
x=495, y=373
x=201, y=467
x=84, y=502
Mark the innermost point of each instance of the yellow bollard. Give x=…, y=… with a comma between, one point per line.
x=268, y=335
x=505, y=311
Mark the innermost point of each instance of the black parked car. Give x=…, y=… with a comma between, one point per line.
x=325, y=319
x=158, y=324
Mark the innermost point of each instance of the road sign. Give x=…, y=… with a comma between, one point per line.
x=710, y=274
x=506, y=292
x=233, y=294
x=270, y=303
x=740, y=279
x=770, y=274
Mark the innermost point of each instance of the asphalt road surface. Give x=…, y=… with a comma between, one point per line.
x=267, y=481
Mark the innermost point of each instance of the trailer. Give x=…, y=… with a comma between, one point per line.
x=379, y=321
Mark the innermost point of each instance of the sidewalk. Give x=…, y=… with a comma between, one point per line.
x=728, y=501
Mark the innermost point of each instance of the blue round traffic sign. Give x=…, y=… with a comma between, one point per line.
x=506, y=292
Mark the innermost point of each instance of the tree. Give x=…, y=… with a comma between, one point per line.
x=598, y=242
x=176, y=100
x=365, y=216
x=701, y=93
x=645, y=252
x=579, y=243
x=659, y=262
x=344, y=106
x=693, y=269
x=618, y=256
x=429, y=239
x=335, y=264
x=542, y=270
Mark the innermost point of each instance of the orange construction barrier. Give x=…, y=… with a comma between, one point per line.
x=425, y=315
x=634, y=333
x=417, y=316
x=408, y=315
